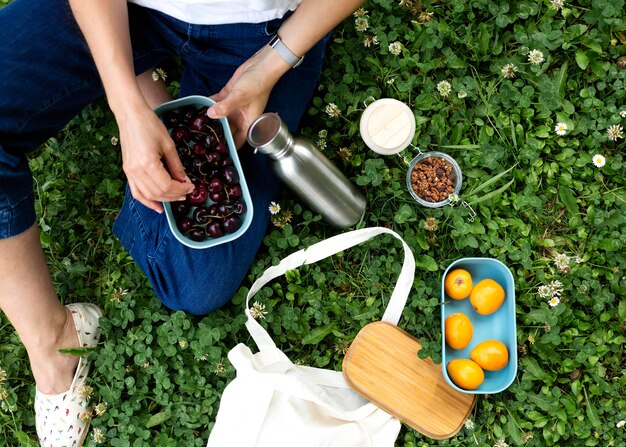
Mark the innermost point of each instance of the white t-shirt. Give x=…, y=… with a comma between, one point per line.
x=218, y=12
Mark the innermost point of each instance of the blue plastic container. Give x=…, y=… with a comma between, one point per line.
x=202, y=101
x=499, y=325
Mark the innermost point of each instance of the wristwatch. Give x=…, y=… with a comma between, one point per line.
x=285, y=52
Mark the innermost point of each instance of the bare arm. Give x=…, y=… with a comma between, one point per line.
x=245, y=96
x=144, y=139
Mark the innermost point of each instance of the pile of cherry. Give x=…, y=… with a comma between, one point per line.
x=215, y=207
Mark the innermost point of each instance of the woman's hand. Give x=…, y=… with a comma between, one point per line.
x=245, y=95
x=147, y=150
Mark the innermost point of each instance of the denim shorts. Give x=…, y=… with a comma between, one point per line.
x=47, y=76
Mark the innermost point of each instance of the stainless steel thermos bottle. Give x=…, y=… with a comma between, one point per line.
x=307, y=172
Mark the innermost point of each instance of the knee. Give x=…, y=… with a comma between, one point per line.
x=199, y=297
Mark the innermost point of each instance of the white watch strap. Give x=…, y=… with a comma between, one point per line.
x=285, y=52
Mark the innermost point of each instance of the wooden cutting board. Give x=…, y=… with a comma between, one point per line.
x=383, y=366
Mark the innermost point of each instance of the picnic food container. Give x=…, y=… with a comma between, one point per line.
x=456, y=176
x=199, y=102
x=387, y=126
x=499, y=325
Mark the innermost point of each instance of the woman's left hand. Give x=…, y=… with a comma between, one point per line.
x=245, y=95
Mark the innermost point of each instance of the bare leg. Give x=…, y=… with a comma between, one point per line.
x=153, y=91
x=43, y=324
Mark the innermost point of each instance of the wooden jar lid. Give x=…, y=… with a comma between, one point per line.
x=387, y=126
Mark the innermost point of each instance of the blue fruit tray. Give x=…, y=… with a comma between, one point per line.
x=202, y=101
x=499, y=325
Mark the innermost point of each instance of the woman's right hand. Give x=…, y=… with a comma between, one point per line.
x=152, y=166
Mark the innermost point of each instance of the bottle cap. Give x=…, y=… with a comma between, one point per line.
x=268, y=134
x=387, y=126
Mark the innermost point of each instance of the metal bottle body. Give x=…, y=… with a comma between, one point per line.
x=307, y=172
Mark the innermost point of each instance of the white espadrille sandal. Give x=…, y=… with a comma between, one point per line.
x=62, y=420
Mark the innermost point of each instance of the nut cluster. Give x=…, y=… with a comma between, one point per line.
x=433, y=179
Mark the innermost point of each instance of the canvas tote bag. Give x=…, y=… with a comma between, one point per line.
x=274, y=403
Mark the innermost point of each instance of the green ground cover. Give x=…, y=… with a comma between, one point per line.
x=524, y=95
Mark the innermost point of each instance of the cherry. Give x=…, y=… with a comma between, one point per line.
x=234, y=191
x=221, y=147
x=180, y=134
x=201, y=215
x=199, y=122
x=187, y=113
x=230, y=175
x=184, y=224
x=180, y=208
x=213, y=210
x=215, y=184
x=170, y=118
x=198, y=195
x=214, y=159
x=198, y=149
x=197, y=234
x=217, y=196
x=231, y=224
x=214, y=229
x=225, y=209
x=239, y=208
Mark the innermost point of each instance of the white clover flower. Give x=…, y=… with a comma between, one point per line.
x=556, y=288
x=361, y=24
x=86, y=391
x=395, y=48
x=554, y=301
x=615, y=132
x=444, y=88
x=454, y=198
x=622, y=113
x=360, y=12
x=557, y=4
x=258, y=311
x=97, y=435
x=561, y=261
x=274, y=208
x=469, y=424
x=114, y=141
x=501, y=443
x=560, y=128
x=430, y=224
x=544, y=291
x=100, y=409
x=598, y=160
x=159, y=73
x=370, y=40
x=321, y=143
x=462, y=94
x=332, y=110
x=220, y=367
x=322, y=133
x=620, y=424
x=508, y=71
x=535, y=57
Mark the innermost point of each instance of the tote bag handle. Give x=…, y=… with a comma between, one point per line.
x=324, y=249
